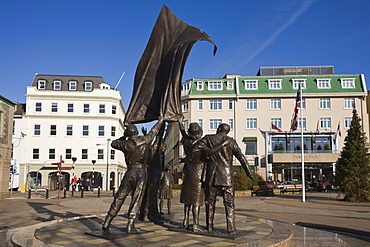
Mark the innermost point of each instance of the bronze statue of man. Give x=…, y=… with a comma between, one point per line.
x=219, y=178
x=136, y=149
x=149, y=208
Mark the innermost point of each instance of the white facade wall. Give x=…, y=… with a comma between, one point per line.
x=77, y=141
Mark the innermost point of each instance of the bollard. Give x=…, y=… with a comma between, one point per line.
x=47, y=193
x=29, y=194
x=65, y=193
x=99, y=191
x=113, y=189
x=82, y=193
x=73, y=191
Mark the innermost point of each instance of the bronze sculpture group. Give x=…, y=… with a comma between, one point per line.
x=207, y=173
x=157, y=96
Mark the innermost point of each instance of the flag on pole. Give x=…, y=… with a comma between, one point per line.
x=318, y=126
x=274, y=127
x=294, y=122
x=337, y=133
x=338, y=130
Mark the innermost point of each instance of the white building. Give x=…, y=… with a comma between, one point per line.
x=74, y=118
x=17, y=138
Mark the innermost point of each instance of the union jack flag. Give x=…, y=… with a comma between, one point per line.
x=294, y=122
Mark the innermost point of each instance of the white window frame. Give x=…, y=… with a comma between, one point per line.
x=296, y=83
x=38, y=107
x=54, y=107
x=277, y=122
x=347, y=122
x=323, y=83
x=185, y=106
x=200, y=122
x=215, y=105
x=84, y=154
x=303, y=104
x=200, y=85
x=70, y=107
x=185, y=88
x=230, y=85
x=214, y=123
x=85, y=131
x=101, y=108
x=230, y=104
x=347, y=82
x=86, y=109
x=349, y=103
x=53, y=131
x=231, y=123
x=251, y=104
x=299, y=125
x=88, y=86
x=215, y=85
x=275, y=104
x=200, y=105
x=275, y=84
x=101, y=130
x=35, y=153
x=251, y=84
x=324, y=103
x=251, y=123
x=325, y=123
x=69, y=130
x=57, y=85
x=41, y=84
x=72, y=85
x=114, y=109
x=37, y=129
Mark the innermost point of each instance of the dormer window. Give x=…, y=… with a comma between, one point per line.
x=275, y=84
x=215, y=85
x=348, y=82
x=88, y=86
x=41, y=84
x=297, y=82
x=199, y=85
x=73, y=85
x=57, y=85
x=230, y=85
x=323, y=83
x=104, y=86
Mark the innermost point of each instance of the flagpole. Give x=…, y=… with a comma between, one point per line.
x=302, y=150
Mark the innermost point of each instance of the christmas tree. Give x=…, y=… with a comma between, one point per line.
x=353, y=167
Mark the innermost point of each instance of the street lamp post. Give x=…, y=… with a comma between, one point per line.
x=107, y=178
x=73, y=166
x=93, y=175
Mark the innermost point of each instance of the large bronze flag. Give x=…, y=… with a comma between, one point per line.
x=157, y=85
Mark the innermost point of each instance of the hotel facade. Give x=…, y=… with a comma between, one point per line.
x=259, y=110
x=73, y=119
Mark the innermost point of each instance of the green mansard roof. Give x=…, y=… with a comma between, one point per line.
x=287, y=85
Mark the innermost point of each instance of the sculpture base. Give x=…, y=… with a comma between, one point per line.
x=114, y=233
x=219, y=233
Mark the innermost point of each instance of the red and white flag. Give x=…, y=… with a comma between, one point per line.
x=338, y=130
x=318, y=127
x=294, y=122
x=274, y=127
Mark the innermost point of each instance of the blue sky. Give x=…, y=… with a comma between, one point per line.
x=107, y=38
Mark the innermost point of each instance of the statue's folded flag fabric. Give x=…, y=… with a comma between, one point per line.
x=157, y=85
